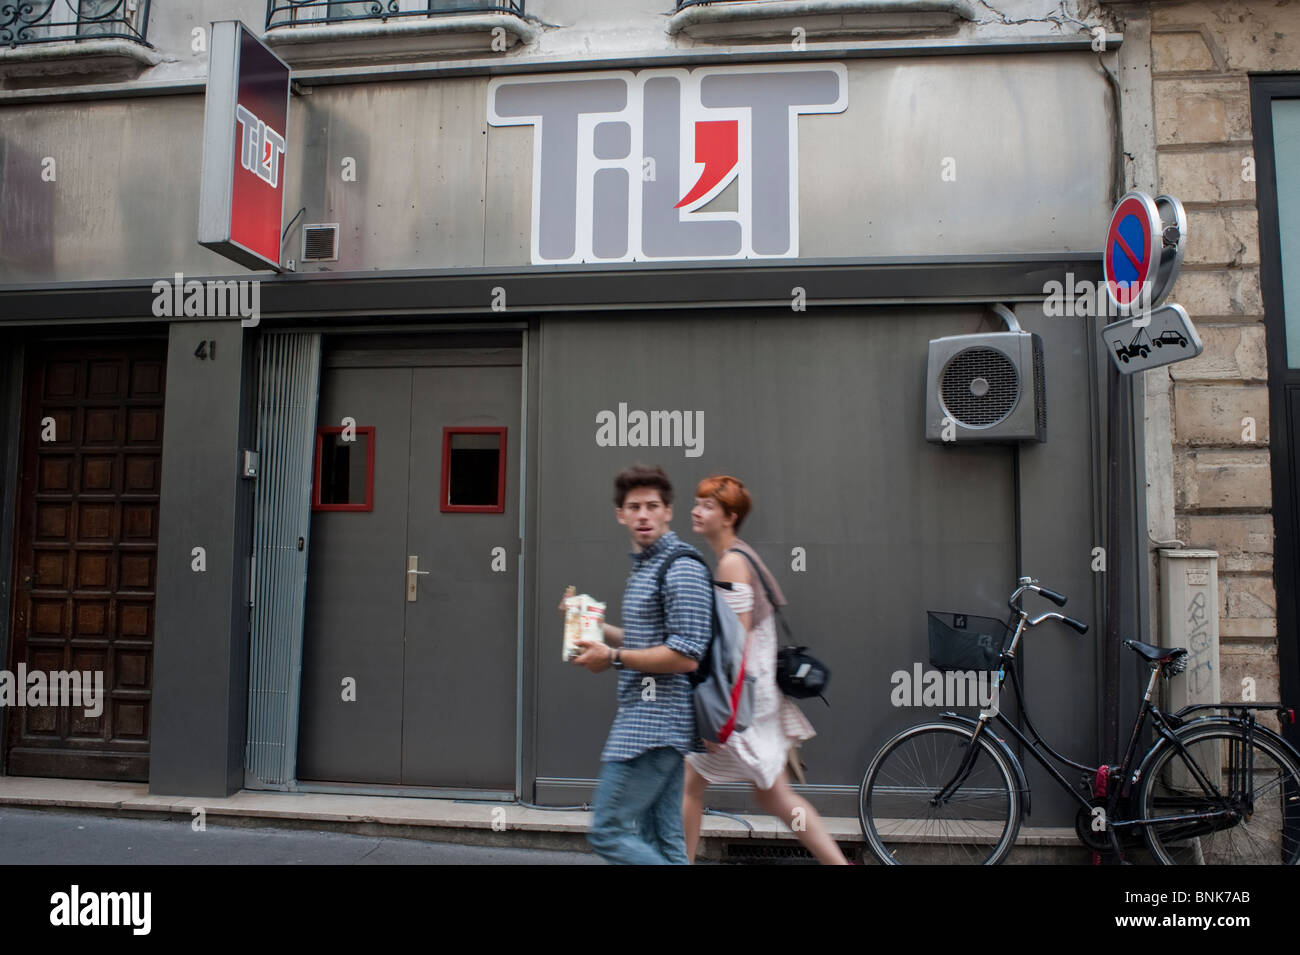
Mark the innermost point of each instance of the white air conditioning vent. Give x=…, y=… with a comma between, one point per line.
x=320, y=242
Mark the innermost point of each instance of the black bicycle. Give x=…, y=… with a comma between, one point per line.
x=1211, y=790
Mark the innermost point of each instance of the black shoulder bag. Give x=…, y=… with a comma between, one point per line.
x=798, y=673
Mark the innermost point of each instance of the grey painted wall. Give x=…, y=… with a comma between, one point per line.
x=1058, y=532
x=201, y=632
x=821, y=415
x=240, y=609
x=1028, y=137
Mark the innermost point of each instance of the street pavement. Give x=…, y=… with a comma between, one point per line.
x=41, y=837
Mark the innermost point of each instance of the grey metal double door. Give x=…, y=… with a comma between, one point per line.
x=409, y=653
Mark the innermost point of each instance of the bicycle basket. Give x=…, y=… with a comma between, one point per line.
x=963, y=641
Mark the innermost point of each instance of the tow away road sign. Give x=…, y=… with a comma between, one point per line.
x=1161, y=337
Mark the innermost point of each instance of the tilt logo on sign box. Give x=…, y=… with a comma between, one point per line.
x=260, y=146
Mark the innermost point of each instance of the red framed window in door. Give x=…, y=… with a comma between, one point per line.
x=473, y=470
x=343, y=476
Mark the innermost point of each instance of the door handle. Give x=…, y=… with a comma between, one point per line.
x=413, y=575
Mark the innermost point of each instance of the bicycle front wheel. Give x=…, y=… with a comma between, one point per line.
x=923, y=801
x=1254, y=819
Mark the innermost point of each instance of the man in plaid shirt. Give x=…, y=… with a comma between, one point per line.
x=637, y=814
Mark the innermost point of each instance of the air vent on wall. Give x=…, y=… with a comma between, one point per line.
x=979, y=387
x=987, y=387
x=320, y=242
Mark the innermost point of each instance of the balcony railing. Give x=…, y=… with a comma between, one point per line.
x=49, y=21
x=683, y=4
x=282, y=13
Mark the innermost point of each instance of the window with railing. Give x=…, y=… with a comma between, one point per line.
x=759, y=20
x=48, y=21
x=281, y=13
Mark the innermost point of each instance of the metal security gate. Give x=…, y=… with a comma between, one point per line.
x=288, y=384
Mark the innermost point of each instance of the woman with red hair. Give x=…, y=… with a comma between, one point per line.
x=758, y=754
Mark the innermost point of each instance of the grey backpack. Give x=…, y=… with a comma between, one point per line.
x=724, y=690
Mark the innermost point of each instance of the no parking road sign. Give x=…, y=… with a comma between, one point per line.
x=1143, y=251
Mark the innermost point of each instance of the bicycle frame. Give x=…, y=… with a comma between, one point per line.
x=1126, y=780
x=1188, y=799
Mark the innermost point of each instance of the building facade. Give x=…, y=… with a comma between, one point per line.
x=318, y=547
x=1218, y=131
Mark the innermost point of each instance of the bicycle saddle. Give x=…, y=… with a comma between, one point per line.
x=1155, y=654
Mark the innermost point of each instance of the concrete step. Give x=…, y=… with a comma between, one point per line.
x=742, y=838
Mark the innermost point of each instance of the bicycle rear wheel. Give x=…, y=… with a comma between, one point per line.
x=906, y=823
x=1258, y=808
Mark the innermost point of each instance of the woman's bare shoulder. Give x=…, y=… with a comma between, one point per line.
x=733, y=567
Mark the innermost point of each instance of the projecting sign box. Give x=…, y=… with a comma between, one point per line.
x=245, y=124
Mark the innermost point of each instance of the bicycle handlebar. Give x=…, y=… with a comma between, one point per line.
x=1052, y=595
x=1078, y=625
x=1028, y=583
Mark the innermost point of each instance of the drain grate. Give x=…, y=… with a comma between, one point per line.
x=745, y=852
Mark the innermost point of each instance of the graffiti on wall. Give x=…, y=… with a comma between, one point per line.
x=1200, y=667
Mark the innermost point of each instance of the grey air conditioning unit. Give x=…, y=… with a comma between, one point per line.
x=986, y=387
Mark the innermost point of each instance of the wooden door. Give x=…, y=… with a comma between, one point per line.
x=86, y=554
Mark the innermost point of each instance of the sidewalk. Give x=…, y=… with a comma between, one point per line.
x=446, y=820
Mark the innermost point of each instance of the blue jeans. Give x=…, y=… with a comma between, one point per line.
x=637, y=815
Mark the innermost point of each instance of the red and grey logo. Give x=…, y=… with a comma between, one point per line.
x=260, y=147
x=634, y=166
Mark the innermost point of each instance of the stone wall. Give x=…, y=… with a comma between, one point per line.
x=1200, y=55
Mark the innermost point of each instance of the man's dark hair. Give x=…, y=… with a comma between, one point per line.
x=638, y=475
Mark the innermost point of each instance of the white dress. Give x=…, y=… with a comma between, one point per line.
x=757, y=755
